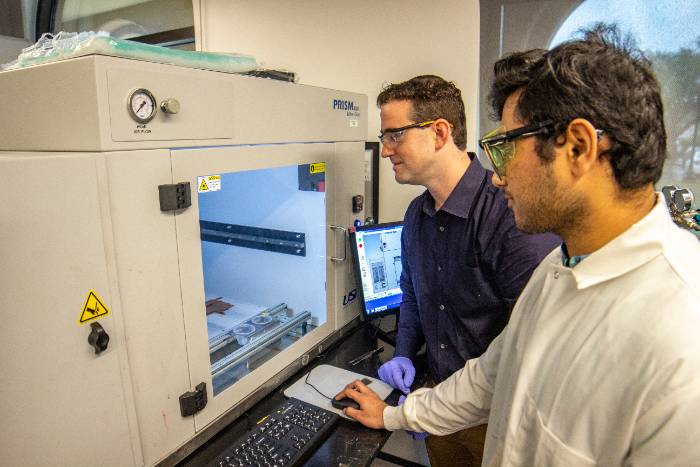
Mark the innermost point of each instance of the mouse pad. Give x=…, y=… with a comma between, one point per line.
x=330, y=380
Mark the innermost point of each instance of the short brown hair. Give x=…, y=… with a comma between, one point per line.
x=432, y=98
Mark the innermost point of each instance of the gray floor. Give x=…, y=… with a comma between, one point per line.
x=402, y=445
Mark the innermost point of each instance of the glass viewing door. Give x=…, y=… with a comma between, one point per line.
x=263, y=250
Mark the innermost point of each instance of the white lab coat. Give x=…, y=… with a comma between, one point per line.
x=599, y=365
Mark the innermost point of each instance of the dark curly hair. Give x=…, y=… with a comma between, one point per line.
x=607, y=80
x=510, y=74
x=432, y=97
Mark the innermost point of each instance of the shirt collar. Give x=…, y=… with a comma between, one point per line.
x=570, y=261
x=638, y=245
x=464, y=193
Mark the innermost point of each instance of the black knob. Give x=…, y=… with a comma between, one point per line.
x=98, y=338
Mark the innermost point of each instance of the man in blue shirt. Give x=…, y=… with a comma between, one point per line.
x=464, y=261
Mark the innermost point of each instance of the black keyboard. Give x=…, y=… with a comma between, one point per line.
x=286, y=437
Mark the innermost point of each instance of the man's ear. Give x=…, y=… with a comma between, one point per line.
x=443, y=133
x=581, y=146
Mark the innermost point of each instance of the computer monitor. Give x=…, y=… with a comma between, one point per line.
x=376, y=250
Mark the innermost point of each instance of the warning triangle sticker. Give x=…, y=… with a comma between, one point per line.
x=203, y=186
x=93, y=308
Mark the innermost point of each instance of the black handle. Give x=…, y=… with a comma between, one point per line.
x=98, y=338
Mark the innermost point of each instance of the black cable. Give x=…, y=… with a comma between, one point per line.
x=306, y=381
x=372, y=328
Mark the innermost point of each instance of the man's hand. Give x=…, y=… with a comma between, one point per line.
x=398, y=373
x=371, y=412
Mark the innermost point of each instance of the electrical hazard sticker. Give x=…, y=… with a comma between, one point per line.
x=317, y=168
x=94, y=308
x=208, y=183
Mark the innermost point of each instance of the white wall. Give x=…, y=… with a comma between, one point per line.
x=354, y=46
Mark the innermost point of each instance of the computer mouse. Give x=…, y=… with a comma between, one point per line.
x=344, y=402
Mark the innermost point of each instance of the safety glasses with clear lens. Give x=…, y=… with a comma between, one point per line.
x=391, y=137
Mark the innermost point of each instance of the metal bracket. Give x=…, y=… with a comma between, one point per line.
x=192, y=402
x=345, y=243
x=174, y=197
x=279, y=241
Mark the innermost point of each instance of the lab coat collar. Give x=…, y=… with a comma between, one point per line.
x=638, y=245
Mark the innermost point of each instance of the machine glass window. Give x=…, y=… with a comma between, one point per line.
x=263, y=237
x=165, y=22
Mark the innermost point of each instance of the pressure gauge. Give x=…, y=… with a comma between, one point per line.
x=142, y=106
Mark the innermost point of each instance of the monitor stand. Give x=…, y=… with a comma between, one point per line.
x=383, y=335
x=387, y=336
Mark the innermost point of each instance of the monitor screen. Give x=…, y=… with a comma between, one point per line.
x=377, y=253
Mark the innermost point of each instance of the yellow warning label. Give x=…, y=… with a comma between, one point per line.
x=93, y=308
x=208, y=183
x=317, y=167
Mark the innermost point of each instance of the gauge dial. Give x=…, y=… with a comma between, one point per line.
x=142, y=106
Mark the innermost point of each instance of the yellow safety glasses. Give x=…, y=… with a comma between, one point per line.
x=499, y=145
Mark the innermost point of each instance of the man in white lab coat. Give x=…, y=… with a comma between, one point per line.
x=600, y=362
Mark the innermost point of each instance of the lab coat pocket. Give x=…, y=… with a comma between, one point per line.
x=537, y=445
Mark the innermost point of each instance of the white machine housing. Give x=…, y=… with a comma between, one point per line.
x=81, y=213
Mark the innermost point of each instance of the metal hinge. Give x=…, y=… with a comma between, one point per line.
x=175, y=197
x=192, y=402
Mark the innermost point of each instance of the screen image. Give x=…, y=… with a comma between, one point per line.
x=377, y=251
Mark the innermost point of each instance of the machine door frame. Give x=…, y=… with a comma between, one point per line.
x=188, y=164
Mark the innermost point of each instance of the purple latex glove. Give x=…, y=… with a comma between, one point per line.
x=414, y=435
x=398, y=373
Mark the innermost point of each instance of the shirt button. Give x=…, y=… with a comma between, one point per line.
x=442, y=346
x=556, y=274
x=442, y=307
x=439, y=268
x=442, y=228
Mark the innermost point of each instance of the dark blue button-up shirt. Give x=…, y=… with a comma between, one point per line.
x=464, y=267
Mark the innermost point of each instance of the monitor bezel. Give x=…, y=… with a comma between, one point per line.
x=364, y=315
